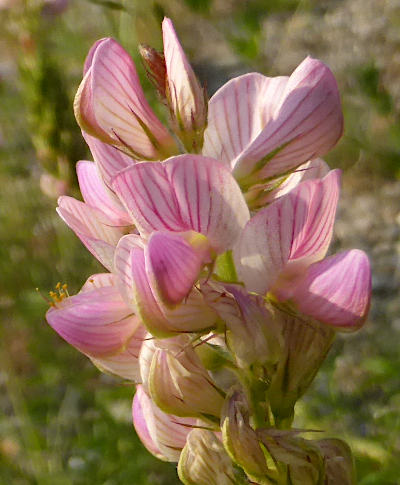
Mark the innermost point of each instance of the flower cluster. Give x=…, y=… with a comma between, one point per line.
x=219, y=301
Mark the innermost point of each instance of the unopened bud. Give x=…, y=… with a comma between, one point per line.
x=252, y=333
x=339, y=465
x=204, y=461
x=306, y=344
x=179, y=383
x=239, y=438
x=156, y=70
x=304, y=462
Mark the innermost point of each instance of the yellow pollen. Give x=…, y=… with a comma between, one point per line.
x=58, y=295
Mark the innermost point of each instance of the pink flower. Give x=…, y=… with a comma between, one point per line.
x=98, y=323
x=264, y=127
x=281, y=248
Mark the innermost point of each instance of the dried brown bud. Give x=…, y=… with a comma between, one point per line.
x=156, y=70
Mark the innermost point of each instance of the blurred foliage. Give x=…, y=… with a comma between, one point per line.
x=62, y=421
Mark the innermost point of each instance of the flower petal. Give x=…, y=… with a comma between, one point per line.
x=337, y=290
x=192, y=315
x=173, y=265
x=306, y=123
x=110, y=104
x=290, y=234
x=96, y=194
x=238, y=112
x=164, y=435
x=124, y=364
x=96, y=322
x=313, y=169
x=187, y=192
x=109, y=159
x=186, y=96
x=84, y=220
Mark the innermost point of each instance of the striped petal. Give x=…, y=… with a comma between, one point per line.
x=313, y=169
x=97, y=322
x=238, y=112
x=188, y=192
x=109, y=159
x=174, y=264
x=262, y=127
x=85, y=221
x=164, y=435
x=96, y=194
x=110, y=104
x=192, y=315
x=307, y=123
x=287, y=236
x=125, y=363
x=185, y=94
x=337, y=290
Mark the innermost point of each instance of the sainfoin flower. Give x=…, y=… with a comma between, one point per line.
x=220, y=301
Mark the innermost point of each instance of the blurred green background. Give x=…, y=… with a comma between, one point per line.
x=61, y=421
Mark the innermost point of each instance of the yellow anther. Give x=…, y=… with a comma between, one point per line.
x=58, y=286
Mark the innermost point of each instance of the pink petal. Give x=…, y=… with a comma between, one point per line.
x=109, y=159
x=185, y=92
x=110, y=104
x=187, y=192
x=337, y=290
x=145, y=358
x=99, y=280
x=308, y=118
x=97, y=195
x=238, y=112
x=191, y=315
x=141, y=413
x=313, y=169
x=125, y=363
x=173, y=265
x=84, y=220
x=164, y=435
x=123, y=266
x=288, y=235
x=96, y=322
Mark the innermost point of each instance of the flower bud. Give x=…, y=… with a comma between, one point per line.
x=240, y=440
x=339, y=466
x=179, y=383
x=306, y=344
x=156, y=70
x=252, y=334
x=304, y=462
x=186, y=97
x=204, y=461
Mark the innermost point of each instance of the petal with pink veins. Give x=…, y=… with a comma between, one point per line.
x=186, y=96
x=337, y=290
x=125, y=363
x=109, y=159
x=97, y=322
x=313, y=169
x=306, y=124
x=262, y=127
x=193, y=314
x=173, y=264
x=238, y=112
x=110, y=104
x=187, y=192
x=96, y=194
x=85, y=221
x=281, y=240
x=164, y=435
